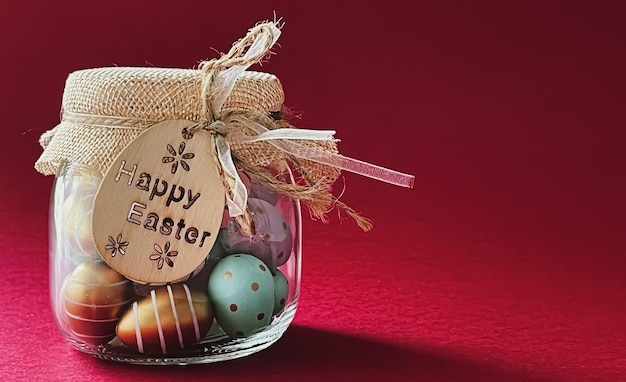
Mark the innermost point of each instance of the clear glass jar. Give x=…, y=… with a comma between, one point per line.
x=217, y=313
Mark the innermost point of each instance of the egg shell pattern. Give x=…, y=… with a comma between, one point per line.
x=94, y=297
x=271, y=241
x=169, y=318
x=241, y=288
x=281, y=291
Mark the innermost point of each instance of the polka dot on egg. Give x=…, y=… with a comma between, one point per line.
x=228, y=275
x=280, y=255
x=254, y=286
x=260, y=316
x=262, y=267
x=284, y=226
x=282, y=301
x=239, y=333
x=233, y=307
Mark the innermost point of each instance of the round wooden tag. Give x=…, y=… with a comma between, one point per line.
x=159, y=207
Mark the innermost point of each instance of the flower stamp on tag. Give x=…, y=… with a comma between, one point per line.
x=174, y=158
x=159, y=207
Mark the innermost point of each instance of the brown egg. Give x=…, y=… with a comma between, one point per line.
x=94, y=298
x=169, y=318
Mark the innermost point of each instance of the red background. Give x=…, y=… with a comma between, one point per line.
x=506, y=262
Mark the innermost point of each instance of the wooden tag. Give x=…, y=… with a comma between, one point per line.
x=159, y=207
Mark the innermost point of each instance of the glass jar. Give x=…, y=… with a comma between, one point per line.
x=240, y=300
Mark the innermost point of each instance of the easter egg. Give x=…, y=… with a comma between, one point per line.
x=241, y=288
x=169, y=318
x=199, y=281
x=70, y=257
x=259, y=191
x=94, y=297
x=75, y=215
x=271, y=241
x=281, y=291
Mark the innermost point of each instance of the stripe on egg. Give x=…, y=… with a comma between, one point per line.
x=99, y=284
x=158, y=322
x=89, y=336
x=137, y=329
x=173, y=304
x=97, y=305
x=96, y=320
x=193, y=312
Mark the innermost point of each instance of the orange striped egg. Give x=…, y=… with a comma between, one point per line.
x=94, y=298
x=169, y=318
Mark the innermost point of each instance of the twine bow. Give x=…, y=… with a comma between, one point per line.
x=219, y=81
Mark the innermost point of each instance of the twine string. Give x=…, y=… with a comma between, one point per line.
x=220, y=76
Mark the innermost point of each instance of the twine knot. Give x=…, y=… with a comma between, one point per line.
x=219, y=78
x=220, y=74
x=217, y=127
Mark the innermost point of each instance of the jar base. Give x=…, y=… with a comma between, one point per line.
x=214, y=347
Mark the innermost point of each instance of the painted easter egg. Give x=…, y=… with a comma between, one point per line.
x=259, y=191
x=199, y=281
x=241, y=288
x=281, y=291
x=94, y=297
x=169, y=318
x=271, y=241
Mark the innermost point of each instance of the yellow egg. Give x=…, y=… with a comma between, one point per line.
x=76, y=214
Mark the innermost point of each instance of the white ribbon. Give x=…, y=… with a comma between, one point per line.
x=284, y=133
x=227, y=78
x=237, y=198
x=237, y=202
x=283, y=139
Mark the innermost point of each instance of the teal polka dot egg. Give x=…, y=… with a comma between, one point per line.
x=281, y=291
x=241, y=288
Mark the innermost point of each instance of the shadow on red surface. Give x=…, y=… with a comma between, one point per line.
x=318, y=355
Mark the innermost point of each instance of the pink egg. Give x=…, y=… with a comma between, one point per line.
x=259, y=191
x=272, y=239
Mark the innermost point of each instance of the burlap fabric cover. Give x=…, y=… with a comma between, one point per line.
x=105, y=109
